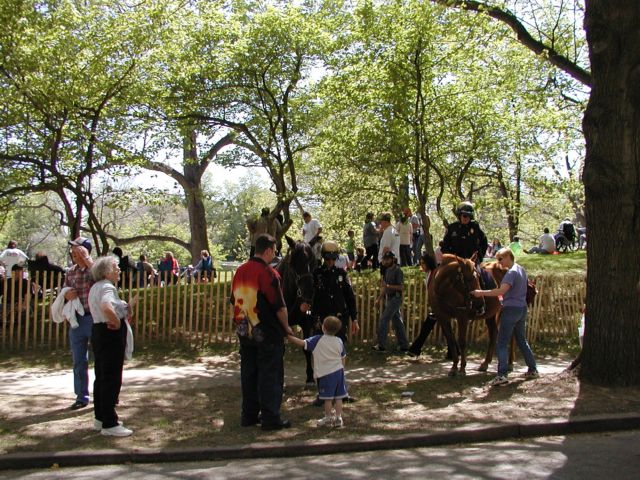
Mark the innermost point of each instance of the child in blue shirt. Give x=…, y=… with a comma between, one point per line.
x=328, y=367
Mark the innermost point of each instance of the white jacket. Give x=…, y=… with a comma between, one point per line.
x=61, y=311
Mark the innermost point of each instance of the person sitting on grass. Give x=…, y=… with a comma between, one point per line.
x=328, y=367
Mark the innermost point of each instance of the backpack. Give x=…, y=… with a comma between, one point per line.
x=532, y=291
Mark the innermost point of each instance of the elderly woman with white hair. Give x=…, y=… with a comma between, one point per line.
x=108, y=338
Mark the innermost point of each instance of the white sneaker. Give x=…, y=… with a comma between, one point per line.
x=499, y=380
x=117, y=431
x=338, y=423
x=97, y=424
x=326, y=422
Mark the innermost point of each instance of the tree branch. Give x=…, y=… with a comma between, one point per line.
x=524, y=37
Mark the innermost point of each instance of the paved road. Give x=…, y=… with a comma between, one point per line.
x=578, y=457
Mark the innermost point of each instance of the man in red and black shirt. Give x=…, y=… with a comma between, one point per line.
x=260, y=315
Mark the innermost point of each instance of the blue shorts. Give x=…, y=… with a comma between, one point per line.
x=332, y=386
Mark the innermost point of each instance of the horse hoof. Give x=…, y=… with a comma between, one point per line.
x=510, y=368
x=453, y=373
x=483, y=367
x=463, y=373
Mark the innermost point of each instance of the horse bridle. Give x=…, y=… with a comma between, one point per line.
x=467, y=293
x=299, y=294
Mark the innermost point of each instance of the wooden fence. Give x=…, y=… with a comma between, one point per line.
x=200, y=313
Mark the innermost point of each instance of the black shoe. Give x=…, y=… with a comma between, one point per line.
x=318, y=403
x=78, y=405
x=277, y=426
x=249, y=423
x=379, y=348
x=349, y=399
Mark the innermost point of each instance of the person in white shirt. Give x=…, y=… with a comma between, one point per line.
x=390, y=241
x=311, y=228
x=405, y=232
x=11, y=256
x=547, y=244
x=311, y=231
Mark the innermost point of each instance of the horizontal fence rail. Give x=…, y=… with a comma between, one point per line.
x=198, y=312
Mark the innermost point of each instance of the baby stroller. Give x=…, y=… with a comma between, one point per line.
x=566, y=238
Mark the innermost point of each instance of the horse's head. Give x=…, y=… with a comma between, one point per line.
x=458, y=278
x=297, y=271
x=496, y=270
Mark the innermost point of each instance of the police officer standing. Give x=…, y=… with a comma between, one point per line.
x=333, y=294
x=465, y=237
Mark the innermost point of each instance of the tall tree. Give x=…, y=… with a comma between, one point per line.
x=612, y=182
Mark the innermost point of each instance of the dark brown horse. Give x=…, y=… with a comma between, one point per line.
x=296, y=270
x=450, y=297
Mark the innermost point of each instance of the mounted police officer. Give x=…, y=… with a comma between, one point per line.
x=465, y=237
x=333, y=294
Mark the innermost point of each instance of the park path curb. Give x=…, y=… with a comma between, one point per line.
x=78, y=458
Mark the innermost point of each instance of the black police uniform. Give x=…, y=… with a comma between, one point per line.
x=465, y=240
x=333, y=295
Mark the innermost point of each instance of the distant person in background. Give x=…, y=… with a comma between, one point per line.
x=493, y=248
x=204, y=269
x=360, y=257
x=370, y=238
x=418, y=237
x=17, y=292
x=168, y=269
x=405, y=234
x=350, y=248
x=311, y=231
x=146, y=272
x=11, y=256
x=45, y=274
x=547, y=244
x=127, y=268
x=515, y=247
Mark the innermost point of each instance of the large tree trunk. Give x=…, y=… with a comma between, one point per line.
x=193, y=170
x=611, y=177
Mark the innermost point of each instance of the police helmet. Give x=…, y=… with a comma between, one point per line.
x=330, y=250
x=465, y=208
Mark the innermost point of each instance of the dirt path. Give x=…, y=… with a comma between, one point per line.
x=198, y=404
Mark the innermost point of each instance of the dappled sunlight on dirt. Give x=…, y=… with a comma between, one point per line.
x=197, y=404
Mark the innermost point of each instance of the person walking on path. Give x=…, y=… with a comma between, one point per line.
x=513, y=320
x=79, y=281
x=109, y=341
x=261, y=320
x=392, y=284
x=328, y=365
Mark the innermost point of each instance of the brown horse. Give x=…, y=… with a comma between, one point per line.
x=450, y=297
